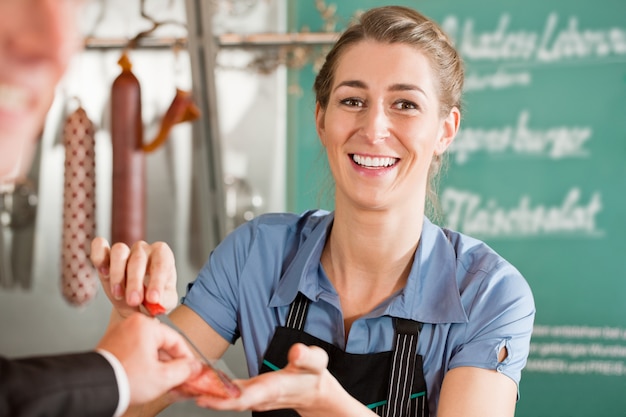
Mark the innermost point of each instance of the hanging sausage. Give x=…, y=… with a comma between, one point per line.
x=182, y=109
x=79, y=280
x=128, y=182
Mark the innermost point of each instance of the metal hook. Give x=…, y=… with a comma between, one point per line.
x=132, y=44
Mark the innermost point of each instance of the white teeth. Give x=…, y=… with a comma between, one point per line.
x=376, y=162
x=12, y=97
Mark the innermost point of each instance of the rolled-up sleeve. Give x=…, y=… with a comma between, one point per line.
x=501, y=315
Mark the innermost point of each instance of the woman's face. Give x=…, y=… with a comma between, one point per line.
x=382, y=126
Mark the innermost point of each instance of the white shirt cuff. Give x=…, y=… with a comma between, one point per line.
x=122, y=382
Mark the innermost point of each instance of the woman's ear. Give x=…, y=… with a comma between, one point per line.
x=449, y=129
x=319, y=122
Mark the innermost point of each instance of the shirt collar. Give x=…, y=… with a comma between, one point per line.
x=430, y=296
x=301, y=275
x=432, y=291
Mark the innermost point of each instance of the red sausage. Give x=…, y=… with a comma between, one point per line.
x=79, y=281
x=129, y=177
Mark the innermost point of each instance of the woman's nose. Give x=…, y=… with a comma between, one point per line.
x=375, y=124
x=44, y=30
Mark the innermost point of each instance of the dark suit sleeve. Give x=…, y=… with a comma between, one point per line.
x=81, y=384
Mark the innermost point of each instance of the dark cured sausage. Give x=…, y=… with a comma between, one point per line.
x=129, y=172
x=79, y=282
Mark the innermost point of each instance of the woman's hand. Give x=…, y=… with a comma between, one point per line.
x=128, y=275
x=304, y=385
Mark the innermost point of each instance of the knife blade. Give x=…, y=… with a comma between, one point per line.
x=163, y=318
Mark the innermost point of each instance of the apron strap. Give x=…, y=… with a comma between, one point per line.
x=297, y=312
x=402, y=368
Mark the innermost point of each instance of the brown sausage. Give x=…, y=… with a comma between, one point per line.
x=182, y=109
x=79, y=282
x=129, y=177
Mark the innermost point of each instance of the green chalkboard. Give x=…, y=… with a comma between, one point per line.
x=538, y=171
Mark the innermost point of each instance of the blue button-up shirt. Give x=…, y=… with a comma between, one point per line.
x=472, y=302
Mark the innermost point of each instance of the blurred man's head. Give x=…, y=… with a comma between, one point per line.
x=37, y=39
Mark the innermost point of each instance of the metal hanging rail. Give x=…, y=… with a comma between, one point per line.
x=92, y=43
x=233, y=40
x=224, y=41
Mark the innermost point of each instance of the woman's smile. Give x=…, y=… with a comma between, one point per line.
x=373, y=162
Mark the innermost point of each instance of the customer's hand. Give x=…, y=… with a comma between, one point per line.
x=155, y=358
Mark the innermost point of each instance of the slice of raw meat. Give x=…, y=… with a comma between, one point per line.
x=208, y=382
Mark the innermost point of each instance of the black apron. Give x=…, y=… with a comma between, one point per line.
x=389, y=383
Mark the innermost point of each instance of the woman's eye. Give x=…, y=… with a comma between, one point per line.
x=405, y=105
x=352, y=102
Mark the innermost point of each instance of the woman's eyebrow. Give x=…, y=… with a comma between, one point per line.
x=394, y=87
x=407, y=87
x=351, y=83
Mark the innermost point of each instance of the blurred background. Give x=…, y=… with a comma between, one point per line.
x=538, y=169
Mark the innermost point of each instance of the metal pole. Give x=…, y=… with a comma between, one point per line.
x=208, y=211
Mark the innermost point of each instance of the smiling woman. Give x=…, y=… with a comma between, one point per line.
x=377, y=111
x=371, y=308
